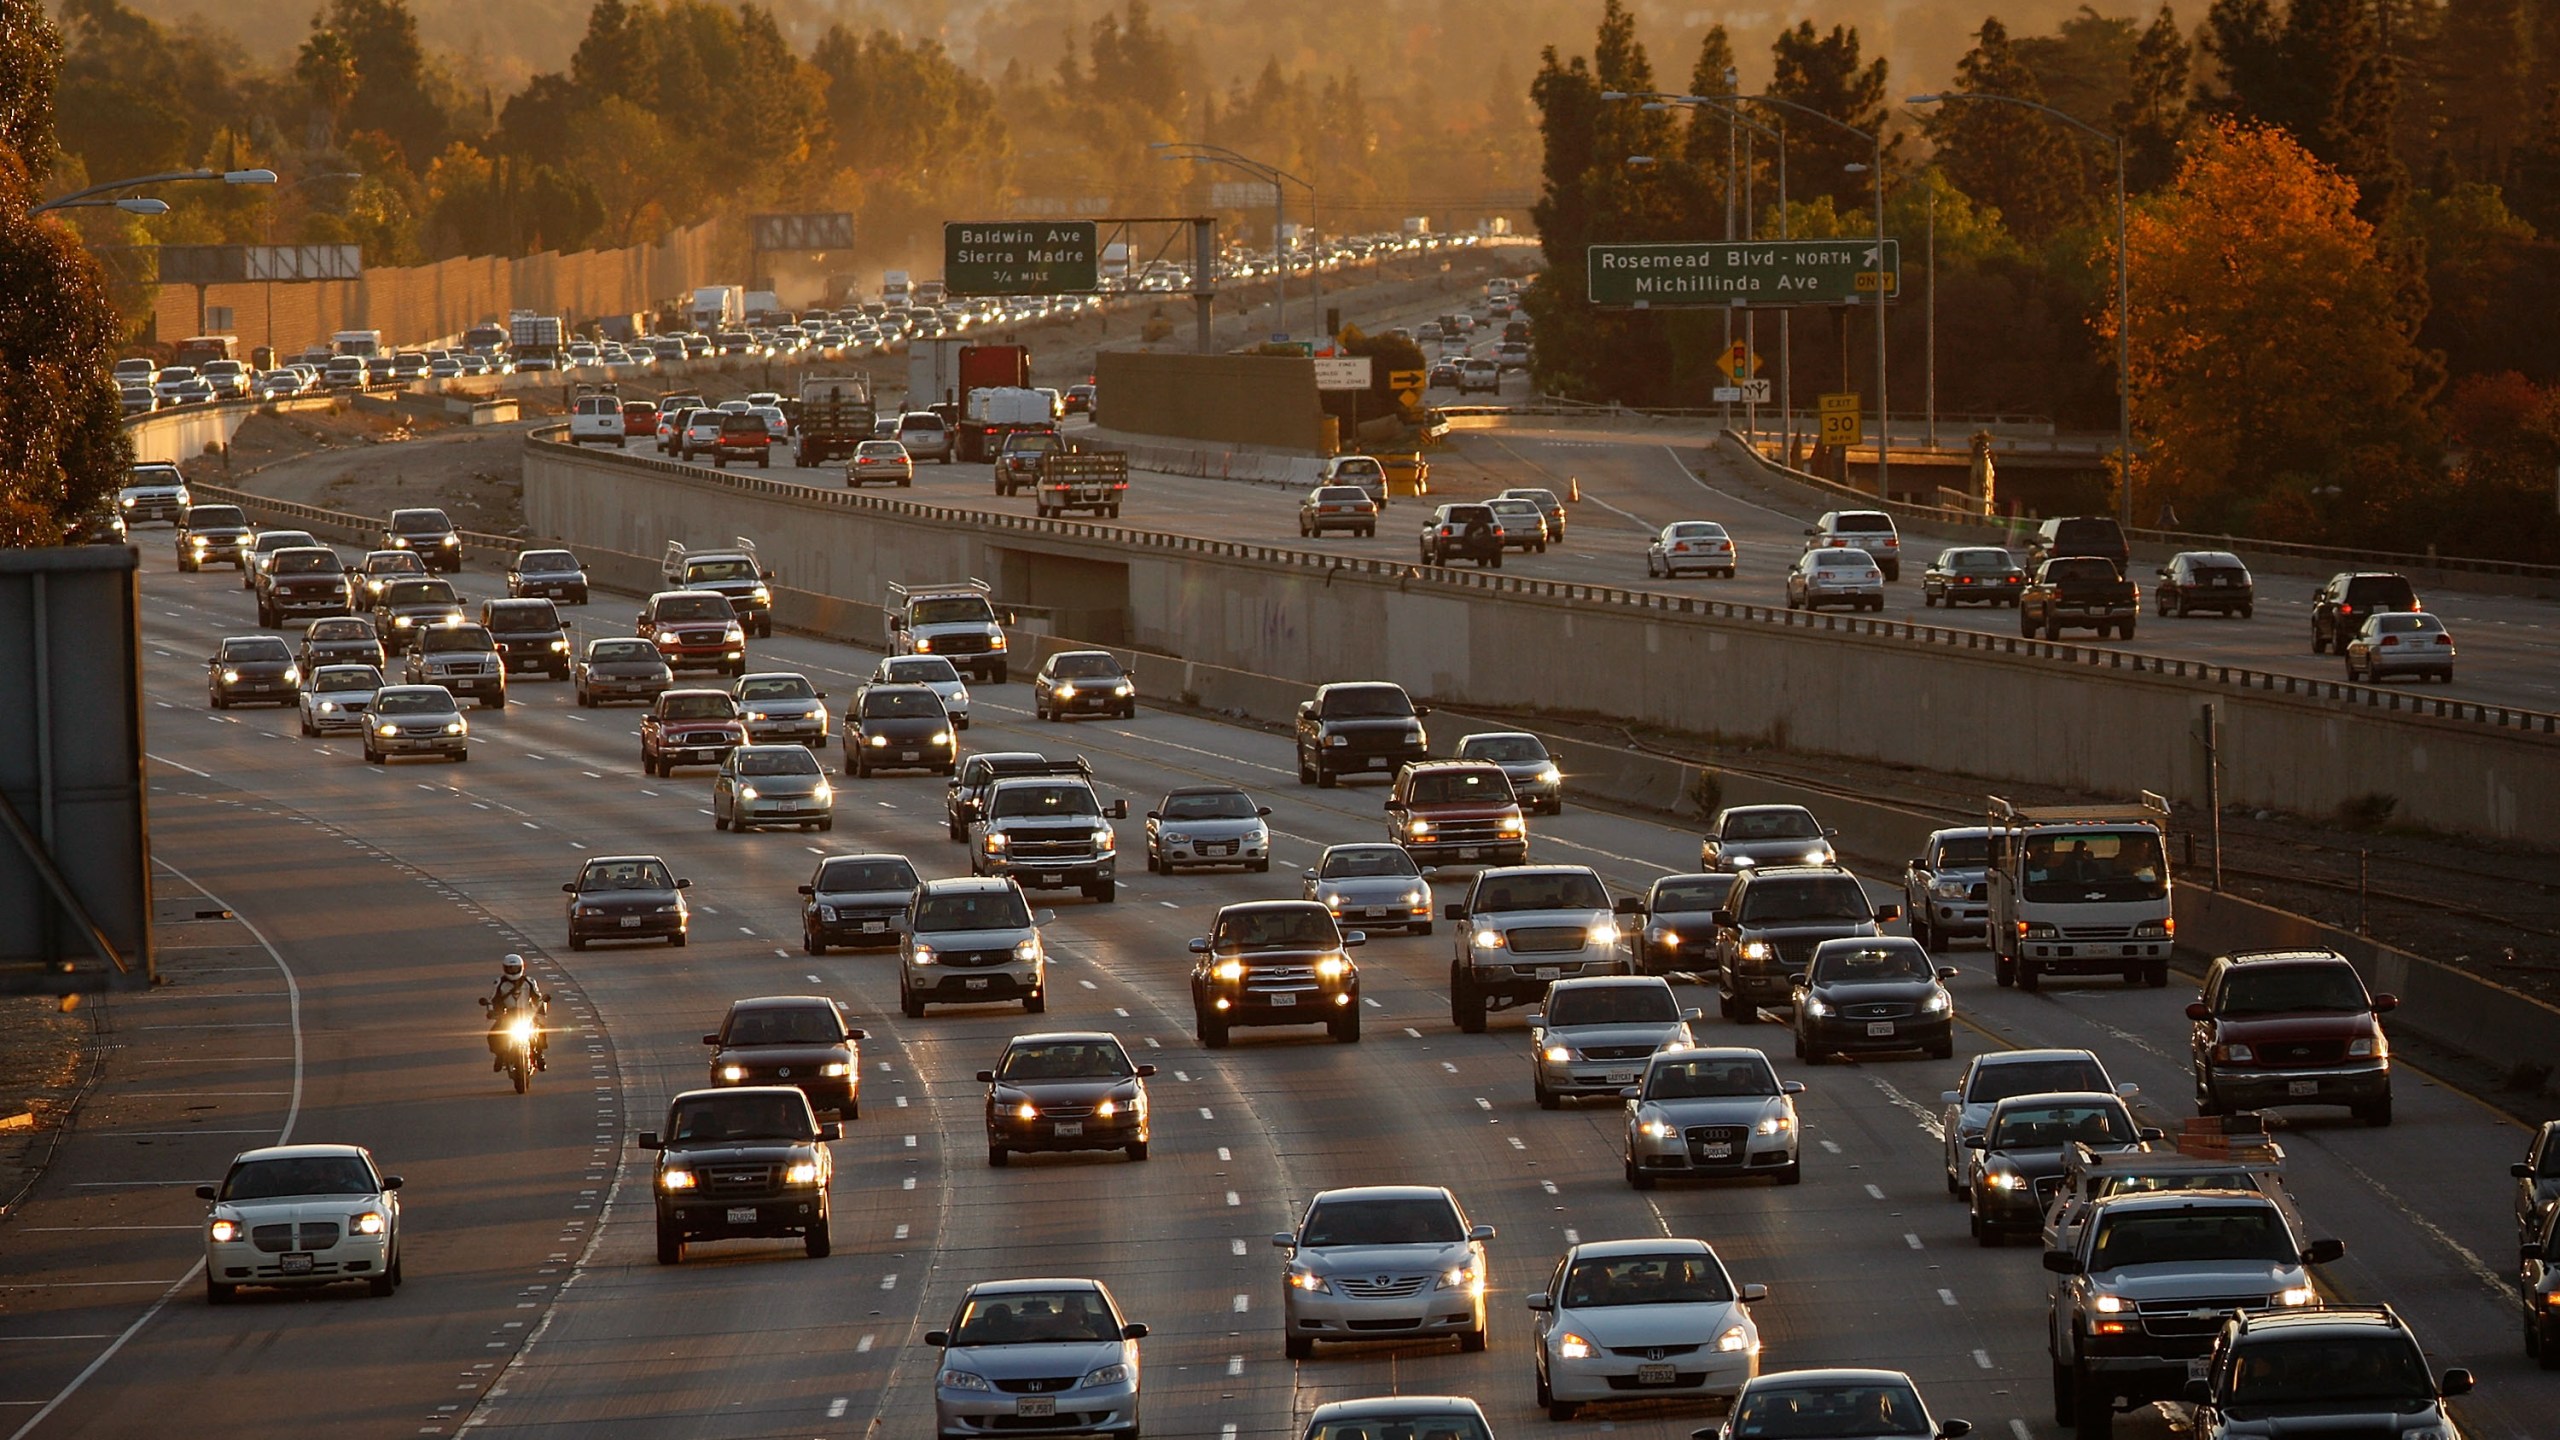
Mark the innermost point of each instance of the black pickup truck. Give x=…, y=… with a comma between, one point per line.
x=738, y=1163
x=2078, y=591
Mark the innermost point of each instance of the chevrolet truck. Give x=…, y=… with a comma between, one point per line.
x=1048, y=832
x=2079, y=891
x=954, y=619
x=745, y=1162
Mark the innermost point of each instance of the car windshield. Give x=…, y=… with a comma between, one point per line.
x=1061, y=800
x=698, y=706
x=920, y=670
x=1888, y=961
x=1502, y=749
x=1823, y=897
x=1774, y=823
x=1346, y=862
x=901, y=705
x=1720, y=1078
x=1222, y=805
x=626, y=875
x=1647, y=1280
x=416, y=701
x=1683, y=897
x=1517, y=509
x=300, y=1175
x=330, y=681
x=2328, y=1370
x=1433, y=1424
x=1088, y=665
x=1055, y=1317
x=419, y=522
x=2095, y=865
x=1366, y=702
x=853, y=875
x=394, y=562
x=1695, y=530
x=1827, y=1412
x=784, y=1025
x=973, y=910
x=1541, y=890
x=2050, y=1127
x=881, y=450
x=1612, y=1005
x=1971, y=853
x=1359, y=469
x=1340, y=495
x=2284, y=989
x=1978, y=560
x=202, y=517
x=2190, y=1235
x=2034, y=1077
x=275, y=540
x=533, y=617
x=776, y=687
x=1460, y=787
x=451, y=638
x=694, y=607
x=720, y=570
x=2082, y=570
x=927, y=424
x=952, y=610
x=605, y=652
x=1296, y=927
x=418, y=592
x=714, y=1118
x=1065, y=1060
x=256, y=647
x=1383, y=1220
x=778, y=760
x=2405, y=624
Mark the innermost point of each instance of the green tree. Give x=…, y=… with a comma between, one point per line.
x=2153, y=117
x=396, y=90
x=2323, y=75
x=1826, y=73
x=2478, y=71
x=325, y=68
x=120, y=106
x=2026, y=166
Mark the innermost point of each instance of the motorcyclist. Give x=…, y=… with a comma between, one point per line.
x=516, y=989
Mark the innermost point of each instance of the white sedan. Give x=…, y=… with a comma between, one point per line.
x=1634, y=1320
x=1691, y=545
x=292, y=1215
x=338, y=697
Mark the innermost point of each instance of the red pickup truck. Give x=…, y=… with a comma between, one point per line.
x=689, y=727
x=696, y=628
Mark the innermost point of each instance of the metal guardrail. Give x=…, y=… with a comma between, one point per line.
x=1406, y=576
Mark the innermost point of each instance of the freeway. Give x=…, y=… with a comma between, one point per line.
x=1631, y=487
x=533, y=1305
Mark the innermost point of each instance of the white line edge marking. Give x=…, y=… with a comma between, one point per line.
x=284, y=1135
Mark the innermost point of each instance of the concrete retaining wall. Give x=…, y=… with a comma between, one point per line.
x=1962, y=702
x=1227, y=399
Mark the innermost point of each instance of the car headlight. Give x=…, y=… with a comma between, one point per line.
x=1733, y=1340
x=328, y=707
x=1756, y=950
x=1332, y=967
x=1112, y=1374
x=125, y=500
x=2370, y=1048
x=1419, y=827
x=1776, y=1125
x=1604, y=933
x=1817, y=1007
x=1120, y=690
x=1066, y=692
x=457, y=727
x=676, y=1179
x=560, y=647
x=1549, y=775
x=399, y=542
x=2004, y=1180
x=402, y=622
x=1510, y=824
x=995, y=642
x=1337, y=740
x=964, y=1380
x=1026, y=1111
x=924, y=644
x=1027, y=949
x=1462, y=1277
x=734, y=634
x=386, y=730
x=370, y=1222
x=450, y=541
x=803, y=1172
x=1415, y=897
x=2106, y=1304
x=1573, y=1347
x=1488, y=940
x=1821, y=856
x=1938, y=1003
x=1657, y=1129
x=1107, y=1109
x=1229, y=970
x=835, y=1069
x=2296, y=1295
x=2237, y=1054
x=996, y=840
x=197, y=541
x=222, y=1231
x=762, y=593
x=2037, y=931
x=1105, y=839
x=2155, y=930
x=1667, y=938
x=941, y=737
x=823, y=792
x=1559, y=1054
x=733, y=1073
x=230, y=677
x=1308, y=1281
x=746, y=792
x=1950, y=889
x=1743, y=862
x=922, y=955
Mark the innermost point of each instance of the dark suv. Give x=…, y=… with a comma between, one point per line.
x=428, y=535
x=1772, y=922
x=2334, y=1370
x=1463, y=532
x=530, y=635
x=2339, y=610
x=2290, y=1027
x=1274, y=962
x=2080, y=535
x=741, y=1163
x=1370, y=727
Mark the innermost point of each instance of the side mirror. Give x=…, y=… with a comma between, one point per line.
x=1283, y=1240
x=1535, y=1019
x=1541, y=1302
x=1043, y=917
x=1628, y=905
x=1950, y=1097
x=857, y=1034
x=2150, y=1132
x=1693, y=1013
x=1391, y=806
x=1722, y=917
x=2127, y=1089
x=1306, y=874
x=986, y=1077
x=684, y=884
x=897, y=622
x=648, y=1140
x=484, y=1002
x=2385, y=1004
x=1976, y=1142
x=808, y=889
x=1480, y=1232
x=1885, y=914
x=2198, y=1010
x=2199, y=1391
x=2062, y=1262
x=1830, y=832
x=2521, y=1170
x=1948, y=972
x=205, y=1192
x=393, y=1182
x=710, y=1039
x=1306, y=709
x=1355, y=938
x=1955, y=1429
x=1119, y=810
x=937, y=1338
x=1133, y=1331
x=830, y=1130
x=952, y=784
x=1262, y=812
x=1799, y=978
x=1199, y=945
x=1790, y=1087
x=1152, y=815
x=822, y=694
x=2455, y=1382
x=1630, y=1093
x=2321, y=1252
x=1421, y=710
x=1454, y=910
x=1146, y=1070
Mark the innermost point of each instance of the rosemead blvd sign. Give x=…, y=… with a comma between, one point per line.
x=1759, y=272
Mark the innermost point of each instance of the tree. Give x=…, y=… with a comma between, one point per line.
x=2273, y=355
x=2322, y=74
x=2479, y=62
x=325, y=67
x=1824, y=72
x=62, y=450
x=2153, y=117
x=396, y=90
x=2022, y=164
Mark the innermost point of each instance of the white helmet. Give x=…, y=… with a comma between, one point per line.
x=512, y=966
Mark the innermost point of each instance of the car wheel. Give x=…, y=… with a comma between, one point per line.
x=670, y=1244
x=719, y=822
x=1547, y=1099
x=820, y=1241
x=1345, y=1027
x=810, y=942
x=2097, y=1411
x=677, y=940
x=1105, y=891
x=1793, y=1174
x=1298, y=1348
x=1137, y=1151
x=2065, y=1395
x=2026, y=624
x=577, y=942
x=1213, y=1033
x=1036, y=1003
x=217, y=1293
x=1638, y=1178
x=2376, y=1113
x=909, y=1005
x=1325, y=779
x=381, y=1286
x=2004, y=971
x=1466, y=1003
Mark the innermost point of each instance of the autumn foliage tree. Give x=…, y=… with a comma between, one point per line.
x=2278, y=386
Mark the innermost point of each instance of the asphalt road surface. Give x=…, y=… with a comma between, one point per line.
x=381, y=897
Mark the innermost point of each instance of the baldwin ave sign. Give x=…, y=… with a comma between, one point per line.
x=1021, y=257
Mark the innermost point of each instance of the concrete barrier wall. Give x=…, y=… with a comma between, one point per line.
x=1239, y=399
x=1951, y=701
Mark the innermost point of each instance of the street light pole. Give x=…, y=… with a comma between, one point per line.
x=1201, y=152
x=1786, y=314
x=2124, y=284
x=266, y=238
x=167, y=177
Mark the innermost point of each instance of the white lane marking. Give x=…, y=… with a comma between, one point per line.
x=1089, y=985
x=902, y=1104
x=908, y=1184
x=2018, y=1428
x=190, y=769
x=1448, y=1066
x=1982, y=1358
x=590, y=774
x=1416, y=1034
x=1243, y=1302
x=1831, y=1145
x=1547, y=1185
x=1182, y=1075
x=1516, y=1144
x=1483, y=1104
x=1946, y=1297
x=1224, y=1154
x=1233, y=1199
x=1928, y=1119
x=1206, y=1113
x=911, y=1142
x=889, y=1282
x=1234, y=1247
x=1372, y=1002
x=1235, y=1364
x=2489, y=1279
x=1169, y=905
x=901, y=1233
x=1873, y=1193
x=1911, y=1240
x=836, y=1407
x=1572, y=1236
x=1119, y=1011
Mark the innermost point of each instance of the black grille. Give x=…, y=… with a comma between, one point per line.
x=1896, y=1010
x=972, y=959
x=1700, y=1137
x=959, y=644
x=1980, y=891
x=1654, y=1352
x=1616, y=1052
x=1038, y=1385
x=741, y=1177
x=272, y=1238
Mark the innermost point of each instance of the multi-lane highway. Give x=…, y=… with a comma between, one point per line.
x=381, y=897
x=1632, y=486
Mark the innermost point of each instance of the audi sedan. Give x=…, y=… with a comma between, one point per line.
x=1037, y=1357
x=1870, y=995
x=1709, y=1113
x=1636, y=1320
x=1068, y=1090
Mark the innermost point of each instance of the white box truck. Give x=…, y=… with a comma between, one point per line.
x=717, y=307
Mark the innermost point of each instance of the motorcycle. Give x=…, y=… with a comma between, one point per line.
x=512, y=1038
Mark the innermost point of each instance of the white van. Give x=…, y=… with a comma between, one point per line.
x=597, y=418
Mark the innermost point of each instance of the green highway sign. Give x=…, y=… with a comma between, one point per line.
x=1759, y=272
x=1021, y=257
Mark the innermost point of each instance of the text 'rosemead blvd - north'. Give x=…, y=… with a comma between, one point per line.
x=1806, y=272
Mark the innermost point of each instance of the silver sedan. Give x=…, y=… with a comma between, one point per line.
x=2399, y=643
x=1375, y=884
x=1835, y=577
x=1691, y=545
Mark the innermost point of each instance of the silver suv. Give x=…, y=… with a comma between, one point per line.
x=973, y=941
x=1868, y=530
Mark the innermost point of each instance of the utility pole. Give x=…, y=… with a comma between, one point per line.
x=1929, y=260
x=1732, y=173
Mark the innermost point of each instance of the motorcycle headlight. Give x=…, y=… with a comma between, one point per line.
x=964, y=1380
x=222, y=1231
x=1332, y=967
x=804, y=1172
x=370, y=1223
x=676, y=1179
x=1488, y=940
x=1573, y=1347
x=1113, y=1374
x=520, y=1028
x=733, y=1073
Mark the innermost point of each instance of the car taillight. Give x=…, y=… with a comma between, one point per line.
x=2390, y=639
x=2443, y=639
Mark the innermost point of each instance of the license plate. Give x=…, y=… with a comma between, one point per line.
x=2200, y=1367
x=1657, y=1375
x=874, y=927
x=974, y=982
x=907, y=754
x=742, y=1214
x=630, y=922
x=1067, y=1128
x=1879, y=1027
x=1469, y=852
x=295, y=1265
x=1548, y=972
x=1044, y=1407
x=1283, y=1002
x=2219, y=581
x=1619, y=1077
x=1378, y=762
x=1052, y=877
x=1718, y=1151
x=2302, y=1087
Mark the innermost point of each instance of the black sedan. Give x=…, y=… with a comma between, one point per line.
x=623, y=669
x=1861, y=996
x=803, y=1041
x=548, y=574
x=898, y=727
x=252, y=667
x=857, y=900
x=1084, y=682
x=340, y=640
x=626, y=897
x=2215, y=580
x=1066, y=1090
x=407, y=605
x=1972, y=575
x=2019, y=1154
x=1680, y=923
